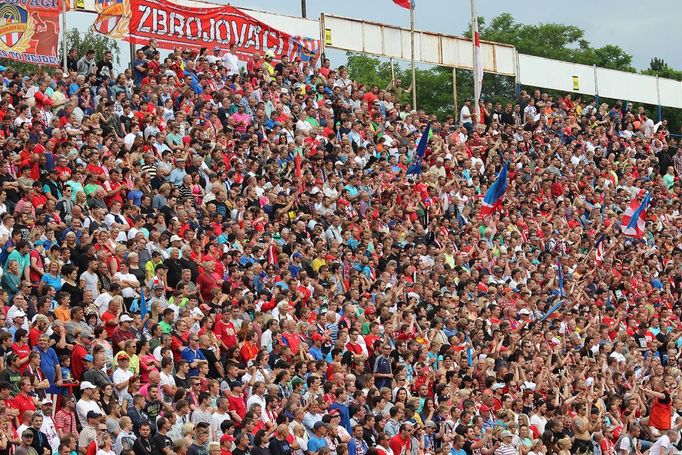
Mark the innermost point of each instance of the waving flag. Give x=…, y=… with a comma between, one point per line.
x=403, y=3
x=549, y=312
x=493, y=197
x=416, y=165
x=562, y=293
x=634, y=220
x=599, y=248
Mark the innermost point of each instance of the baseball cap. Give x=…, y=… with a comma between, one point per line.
x=226, y=437
x=93, y=415
x=506, y=434
x=87, y=385
x=319, y=425
x=46, y=401
x=122, y=356
x=125, y=318
x=88, y=358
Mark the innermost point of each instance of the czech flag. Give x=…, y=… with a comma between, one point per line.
x=416, y=165
x=403, y=3
x=634, y=220
x=493, y=197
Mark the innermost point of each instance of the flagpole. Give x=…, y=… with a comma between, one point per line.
x=477, y=88
x=414, y=71
x=65, y=51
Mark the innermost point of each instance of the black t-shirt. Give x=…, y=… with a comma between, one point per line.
x=239, y=451
x=153, y=409
x=10, y=376
x=159, y=442
x=142, y=447
x=278, y=447
x=184, y=383
x=211, y=359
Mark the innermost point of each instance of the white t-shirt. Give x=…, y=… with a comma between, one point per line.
x=539, y=422
x=231, y=62
x=120, y=376
x=465, y=115
x=83, y=407
x=166, y=379
x=661, y=446
x=91, y=280
x=127, y=292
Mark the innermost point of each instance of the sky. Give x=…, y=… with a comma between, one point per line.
x=640, y=28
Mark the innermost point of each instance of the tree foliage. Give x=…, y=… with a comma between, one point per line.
x=659, y=67
x=75, y=39
x=555, y=41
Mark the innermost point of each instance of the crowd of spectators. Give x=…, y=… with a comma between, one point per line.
x=209, y=256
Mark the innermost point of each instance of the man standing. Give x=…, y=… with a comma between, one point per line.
x=86, y=405
x=122, y=374
x=231, y=61
x=383, y=373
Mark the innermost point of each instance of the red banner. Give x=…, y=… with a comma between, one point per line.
x=176, y=25
x=29, y=30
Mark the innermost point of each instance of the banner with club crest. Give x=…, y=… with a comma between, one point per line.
x=29, y=30
x=188, y=24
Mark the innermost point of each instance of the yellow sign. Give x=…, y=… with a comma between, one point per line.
x=576, y=83
x=80, y=4
x=328, y=37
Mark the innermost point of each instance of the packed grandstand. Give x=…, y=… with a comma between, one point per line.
x=204, y=256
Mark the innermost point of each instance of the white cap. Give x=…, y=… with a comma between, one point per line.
x=125, y=318
x=19, y=314
x=87, y=385
x=175, y=238
x=524, y=311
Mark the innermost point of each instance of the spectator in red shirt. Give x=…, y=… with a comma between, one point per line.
x=79, y=354
x=23, y=401
x=401, y=443
x=237, y=402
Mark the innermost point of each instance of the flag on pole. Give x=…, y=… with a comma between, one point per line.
x=493, y=197
x=599, y=248
x=299, y=175
x=403, y=3
x=602, y=208
x=479, y=60
x=562, y=293
x=555, y=307
x=634, y=220
x=143, y=304
x=416, y=165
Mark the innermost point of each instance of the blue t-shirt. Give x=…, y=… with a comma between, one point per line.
x=315, y=444
x=56, y=283
x=48, y=364
x=191, y=356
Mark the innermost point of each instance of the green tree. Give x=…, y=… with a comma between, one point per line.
x=555, y=41
x=75, y=39
x=659, y=67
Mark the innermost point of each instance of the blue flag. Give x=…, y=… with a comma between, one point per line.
x=416, y=165
x=143, y=304
x=562, y=293
x=555, y=307
x=493, y=197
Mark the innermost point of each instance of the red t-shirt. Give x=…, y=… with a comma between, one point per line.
x=225, y=331
x=77, y=356
x=23, y=403
x=237, y=404
x=22, y=352
x=397, y=444
x=110, y=328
